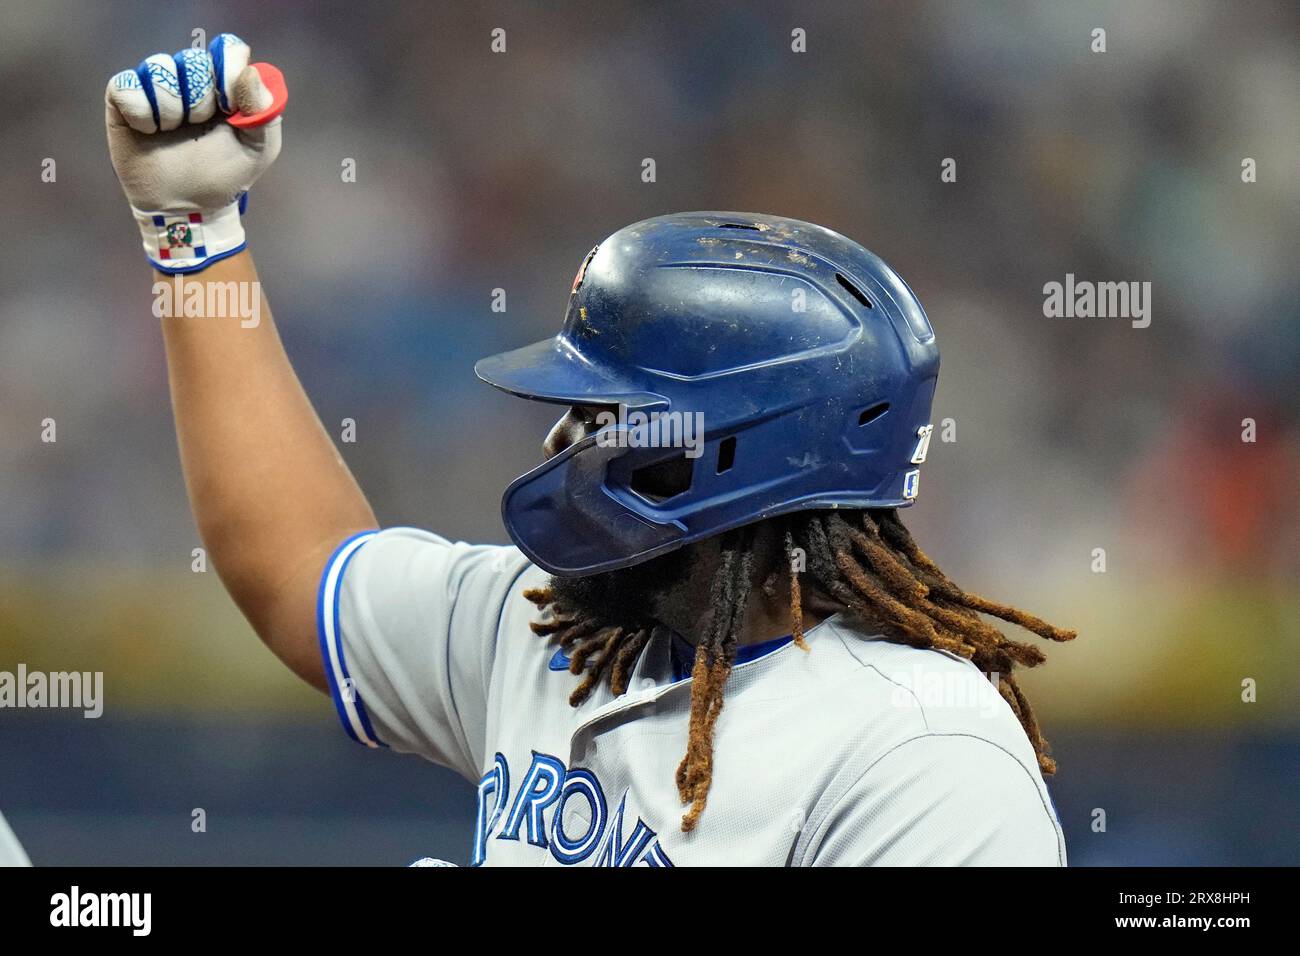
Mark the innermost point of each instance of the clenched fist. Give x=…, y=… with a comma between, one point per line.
x=184, y=170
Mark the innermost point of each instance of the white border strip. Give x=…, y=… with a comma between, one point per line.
x=343, y=687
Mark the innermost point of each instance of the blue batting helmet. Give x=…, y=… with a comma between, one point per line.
x=758, y=365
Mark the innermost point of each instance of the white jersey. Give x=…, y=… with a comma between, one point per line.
x=11, y=851
x=858, y=752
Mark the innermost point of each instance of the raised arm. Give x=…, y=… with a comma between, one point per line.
x=269, y=491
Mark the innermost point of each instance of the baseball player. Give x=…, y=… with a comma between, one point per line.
x=714, y=641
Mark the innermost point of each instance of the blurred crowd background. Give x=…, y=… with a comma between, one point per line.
x=477, y=171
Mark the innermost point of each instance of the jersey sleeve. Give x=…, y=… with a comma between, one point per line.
x=11, y=851
x=941, y=800
x=408, y=625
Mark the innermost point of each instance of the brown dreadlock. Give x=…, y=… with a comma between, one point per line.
x=866, y=561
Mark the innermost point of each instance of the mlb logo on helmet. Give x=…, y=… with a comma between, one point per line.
x=911, y=481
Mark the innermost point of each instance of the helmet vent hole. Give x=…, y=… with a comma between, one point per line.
x=869, y=415
x=726, y=454
x=662, y=480
x=853, y=290
x=738, y=225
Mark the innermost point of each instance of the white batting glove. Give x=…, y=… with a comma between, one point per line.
x=184, y=170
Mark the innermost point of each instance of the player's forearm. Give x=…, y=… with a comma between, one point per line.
x=270, y=492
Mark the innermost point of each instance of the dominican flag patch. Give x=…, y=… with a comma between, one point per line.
x=180, y=237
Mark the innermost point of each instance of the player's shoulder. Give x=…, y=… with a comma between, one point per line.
x=903, y=714
x=916, y=691
x=414, y=572
x=403, y=550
